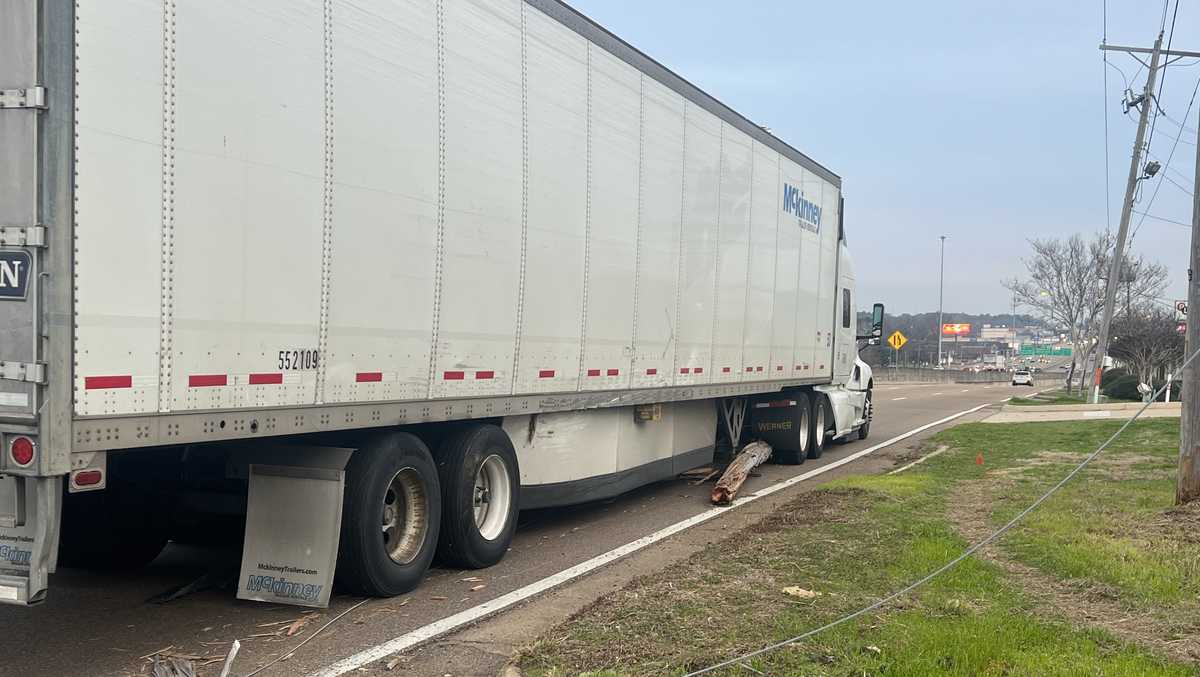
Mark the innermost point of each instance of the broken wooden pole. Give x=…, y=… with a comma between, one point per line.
x=752, y=456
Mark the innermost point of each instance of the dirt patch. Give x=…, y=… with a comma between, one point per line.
x=1080, y=602
x=1181, y=523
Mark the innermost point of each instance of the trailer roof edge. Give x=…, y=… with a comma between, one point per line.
x=610, y=42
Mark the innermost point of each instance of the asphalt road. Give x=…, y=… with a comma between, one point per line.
x=101, y=624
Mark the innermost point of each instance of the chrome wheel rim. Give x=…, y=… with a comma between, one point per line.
x=405, y=517
x=804, y=430
x=820, y=427
x=491, y=497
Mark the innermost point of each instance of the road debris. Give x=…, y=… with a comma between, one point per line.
x=799, y=592
x=299, y=624
x=752, y=456
x=173, y=667
x=229, y=658
x=306, y=640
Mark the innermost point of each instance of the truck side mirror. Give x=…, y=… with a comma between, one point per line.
x=876, y=335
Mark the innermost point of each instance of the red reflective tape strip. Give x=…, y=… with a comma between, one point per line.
x=758, y=369
x=106, y=382
x=684, y=370
x=546, y=373
x=614, y=372
x=725, y=370
x=593, y=372
x=749, y=369
x=265, y=379
x=779, y=368
x=207, y=380
x=698, y=370
x=454, y=375
x=651, y=372
x=368, y=377
x=484, y=375
x=798, y=368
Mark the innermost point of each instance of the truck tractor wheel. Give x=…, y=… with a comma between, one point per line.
x=865, y=429
x=481, y=484
x=820, y=424
x=803, y=434
x=391, y=516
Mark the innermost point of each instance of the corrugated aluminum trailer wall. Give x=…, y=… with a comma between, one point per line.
x=298, y=202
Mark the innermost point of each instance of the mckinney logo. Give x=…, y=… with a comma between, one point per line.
x=14, y=274
x=808, y=213
x=14, y=555
x=281, y=587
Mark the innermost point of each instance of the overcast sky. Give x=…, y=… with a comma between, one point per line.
x=980, y=121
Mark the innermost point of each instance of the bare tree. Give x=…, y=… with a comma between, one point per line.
x=1147, y=343
x=1064, y=285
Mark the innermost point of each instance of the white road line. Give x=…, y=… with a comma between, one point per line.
x=966, y=390
x=897, y=399
x=936, y=394
x=410, y=639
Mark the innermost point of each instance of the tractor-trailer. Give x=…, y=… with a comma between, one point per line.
x=374, y=275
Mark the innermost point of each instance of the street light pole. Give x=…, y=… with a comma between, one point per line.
x=941, y=292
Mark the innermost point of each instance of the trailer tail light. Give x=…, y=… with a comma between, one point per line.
x=87, y=478
x=21, y=451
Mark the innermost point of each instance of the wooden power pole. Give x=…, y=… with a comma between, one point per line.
x=1135, y=175
x=1188, y=486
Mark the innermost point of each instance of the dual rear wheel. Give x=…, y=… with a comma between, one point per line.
x=402, y=508
x=811, y=431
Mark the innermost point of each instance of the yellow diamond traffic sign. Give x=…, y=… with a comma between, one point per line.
x=897, y=340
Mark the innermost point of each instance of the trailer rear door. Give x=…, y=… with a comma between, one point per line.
x=20, y=102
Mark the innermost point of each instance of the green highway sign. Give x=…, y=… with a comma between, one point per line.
x=1047, y=351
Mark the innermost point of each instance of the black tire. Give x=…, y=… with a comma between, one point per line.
x=120, y=528
x=477, y=466
x=864, y=430
x=391, y=478
x=804, y=435
x=820, y=425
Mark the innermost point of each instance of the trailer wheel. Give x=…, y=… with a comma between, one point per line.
x=479, y=475
x=820, y=424
x=803, y=435
x=390, y=517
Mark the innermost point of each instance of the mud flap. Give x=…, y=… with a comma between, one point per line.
x=293, y=524
x=30, y=513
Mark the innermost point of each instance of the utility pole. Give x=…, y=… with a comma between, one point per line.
x=1188, y=486
x=1135, y=172
x=941, y=291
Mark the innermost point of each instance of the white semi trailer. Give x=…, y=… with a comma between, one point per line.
x=483, y=249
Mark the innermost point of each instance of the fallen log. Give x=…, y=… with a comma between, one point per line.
x=751, y=456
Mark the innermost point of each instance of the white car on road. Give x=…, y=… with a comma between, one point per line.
x=1022, y=377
